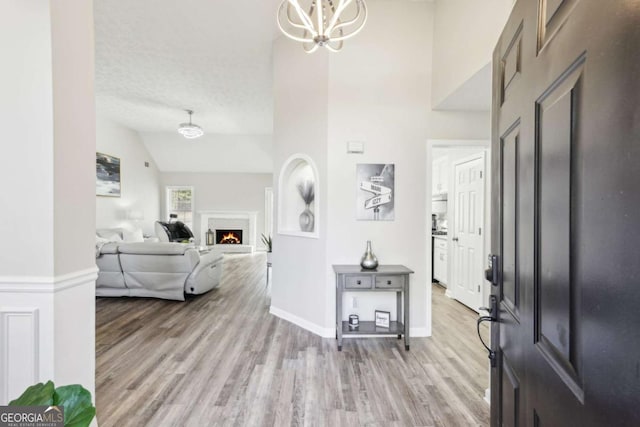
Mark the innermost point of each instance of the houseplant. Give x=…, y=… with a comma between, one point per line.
x=268, y=242
x=76, y=400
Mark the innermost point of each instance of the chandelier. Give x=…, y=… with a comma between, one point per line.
x=190, y=130
x=324, y=23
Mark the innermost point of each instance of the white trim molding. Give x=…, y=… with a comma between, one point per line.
x=19, y=350
x=303, y=323
x=47, y=284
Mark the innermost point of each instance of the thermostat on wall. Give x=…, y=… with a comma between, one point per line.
x=355, y=147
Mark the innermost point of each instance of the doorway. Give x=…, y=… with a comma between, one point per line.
x=442, y=155
x=448, y=259
x=467, y=237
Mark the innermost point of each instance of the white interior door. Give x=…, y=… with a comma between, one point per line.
x=468, y=235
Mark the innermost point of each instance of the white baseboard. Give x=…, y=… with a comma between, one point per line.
x=449, y=294
x=303, y=323
x=487, y=396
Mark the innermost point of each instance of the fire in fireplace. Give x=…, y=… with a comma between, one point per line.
x=228, y=237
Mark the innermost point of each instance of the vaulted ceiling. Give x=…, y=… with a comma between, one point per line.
x=157, y=58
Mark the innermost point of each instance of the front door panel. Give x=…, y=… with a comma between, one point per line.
x=567, y=220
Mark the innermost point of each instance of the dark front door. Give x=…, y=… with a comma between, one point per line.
x=566, y=227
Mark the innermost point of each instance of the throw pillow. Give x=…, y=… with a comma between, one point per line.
x=133, y=236
x=115, y=237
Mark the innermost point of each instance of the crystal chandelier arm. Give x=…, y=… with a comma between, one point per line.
x=362, y=9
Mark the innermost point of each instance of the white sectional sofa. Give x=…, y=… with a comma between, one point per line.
x=159, y=270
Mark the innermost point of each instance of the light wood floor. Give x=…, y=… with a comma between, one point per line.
x=222, y=359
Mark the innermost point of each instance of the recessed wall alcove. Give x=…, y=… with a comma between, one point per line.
x=298, y=170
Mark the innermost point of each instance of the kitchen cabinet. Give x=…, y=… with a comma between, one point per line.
x=440, y=259
x=440, y=175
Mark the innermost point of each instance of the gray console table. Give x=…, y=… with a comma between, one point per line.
x=386, y=278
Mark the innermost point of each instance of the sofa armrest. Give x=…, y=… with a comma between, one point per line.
x=206, y=275
x=154, y=248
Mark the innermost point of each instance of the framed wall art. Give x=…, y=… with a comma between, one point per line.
x=375, y=193
x=107, y=175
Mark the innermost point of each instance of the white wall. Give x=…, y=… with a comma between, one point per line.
x=466, y=32
x=140, y=185
x=379, y=92
x=299, y=285
x=222, y=191
x=47, y=263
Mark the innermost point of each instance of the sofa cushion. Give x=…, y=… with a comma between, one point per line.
x=133, y=236
x=154, y=248
x=109, y=248
x=111, y=234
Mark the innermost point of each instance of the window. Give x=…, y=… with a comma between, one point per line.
x=180, y=202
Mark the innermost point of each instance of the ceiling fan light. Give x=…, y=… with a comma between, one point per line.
x=190, y=130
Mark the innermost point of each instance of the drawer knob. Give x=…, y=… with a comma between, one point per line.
x=388, y=282
x=359, y=282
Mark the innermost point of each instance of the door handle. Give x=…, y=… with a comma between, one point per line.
x=492, y=317
x=455, y=239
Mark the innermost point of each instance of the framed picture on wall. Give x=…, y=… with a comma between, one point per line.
x=107, y=175
x=375, y=193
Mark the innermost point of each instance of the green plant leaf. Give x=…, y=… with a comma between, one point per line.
x=78, y=408
x=39, y=394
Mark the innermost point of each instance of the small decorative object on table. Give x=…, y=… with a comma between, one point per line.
x=354, y=321
x=383, y=319
x=369, y=260
x=307, y=192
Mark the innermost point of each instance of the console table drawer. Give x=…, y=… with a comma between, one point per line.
x=389, y=282
x=357, y=282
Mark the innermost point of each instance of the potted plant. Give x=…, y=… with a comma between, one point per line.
x=268, y=243
x=76, y=400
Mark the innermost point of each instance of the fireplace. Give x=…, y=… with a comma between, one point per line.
x=228, y=237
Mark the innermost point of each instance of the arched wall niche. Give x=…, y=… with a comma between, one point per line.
x=298, y=175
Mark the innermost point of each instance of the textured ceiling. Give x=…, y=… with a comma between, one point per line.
x=156, y=58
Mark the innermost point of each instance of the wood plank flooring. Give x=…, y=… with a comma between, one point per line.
x=222, y=359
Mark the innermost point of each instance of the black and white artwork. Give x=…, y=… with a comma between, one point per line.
x=375, y=194
x=107, y=175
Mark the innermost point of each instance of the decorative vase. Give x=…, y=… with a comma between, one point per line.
x=369, y=260
x=307, y=219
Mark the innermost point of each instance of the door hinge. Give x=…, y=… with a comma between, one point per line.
x=480, y=231
x=478, y=288
x=480, y=174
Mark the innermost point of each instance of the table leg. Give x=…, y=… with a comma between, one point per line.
x=399, y=309
x=407, y=313
x=339, y=312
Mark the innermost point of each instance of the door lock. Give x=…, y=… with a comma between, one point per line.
x=492, y=273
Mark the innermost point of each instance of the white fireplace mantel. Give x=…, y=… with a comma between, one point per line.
x=251, y=216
